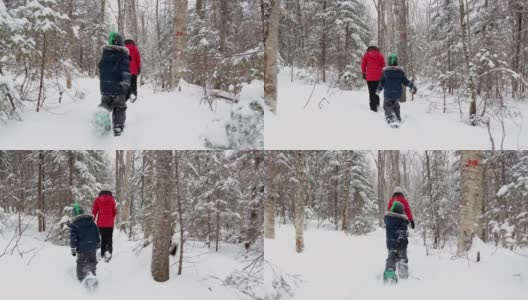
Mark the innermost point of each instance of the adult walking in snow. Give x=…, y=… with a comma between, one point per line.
x=399, y=197
x=372, y=66
x=135, y=68
x=84, y=242
x=114, y=75
x=105, y=211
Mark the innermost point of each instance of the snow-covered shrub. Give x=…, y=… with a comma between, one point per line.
x=245, y=130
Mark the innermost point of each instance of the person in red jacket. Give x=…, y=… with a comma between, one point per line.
x=372, y=67
x=398, y=196
x=105, y=211
x=135, y=68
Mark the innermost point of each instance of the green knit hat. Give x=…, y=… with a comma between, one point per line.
x=77, y=209
x=397, y=207
x=111, y=37
x=393, y=59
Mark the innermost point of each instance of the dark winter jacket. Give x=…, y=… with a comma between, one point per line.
x=104, y=210
x=114, y=71
x=84, y=234
x=372, y=64
x=396, y=228
x=392, y=80
x=400, y=198
x=135, y=58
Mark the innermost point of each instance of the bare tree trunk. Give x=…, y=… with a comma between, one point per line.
x=471, y=83
x=346, y=191
x=41, y=219
x=180, y=41
x=162, y=214
x=180, y=211
x=401, y=11
x=271, y=49
x=40, y=99
x=300, y=200
x=71, y=163
x=381, y=188
x=272, y=194
x=336, y=188
x=470, y=199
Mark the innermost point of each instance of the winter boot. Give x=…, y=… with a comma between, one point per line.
x=107, y=256
x=118, y=131
x=403, y=269
x=389, y=276
x=397, y=113
x=90, y=283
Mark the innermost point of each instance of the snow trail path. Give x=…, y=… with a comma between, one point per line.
x=51, y=273
x=164, y=120
x=340, y=267
x=340, y=119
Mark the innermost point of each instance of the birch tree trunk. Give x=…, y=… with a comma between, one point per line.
x=180, y=41
x=162, y=214
x=469, y=73
x=271, y=48
x=300, y=199
x=471, y=195
x=395, y=170
x=180, y=211
x=271, y=196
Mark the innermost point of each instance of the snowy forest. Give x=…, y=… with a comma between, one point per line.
x=470, y=209
x=199, y=59
x=469, y=60
x=194, y=217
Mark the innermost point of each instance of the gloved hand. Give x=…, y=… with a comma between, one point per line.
x=74, y=251
x=125, y=86
x=413, y=91
x=364, y=76
x=412, y=224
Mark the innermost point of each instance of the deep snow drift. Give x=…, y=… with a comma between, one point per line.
x=47, y=271
x=340, y=267
x=165, y=120
x=340, y=119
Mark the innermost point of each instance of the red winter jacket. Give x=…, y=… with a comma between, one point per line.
x=372, y=64
x=406, y=206
x=135, y=58
x=104, y=211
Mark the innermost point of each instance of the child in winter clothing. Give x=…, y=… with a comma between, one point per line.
x=135, y=68
x=105, y=211
x=114, y=75
x=396, y=228
x=398, y=196
x=391, y=80
x=84, y=241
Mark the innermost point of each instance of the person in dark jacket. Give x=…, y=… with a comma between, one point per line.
x=392, y=79
x=371, y=66
x=398, y=196
x=135, y=68
x=104, y=211
x=396, y=229
x=84, y=241
x=114, y=75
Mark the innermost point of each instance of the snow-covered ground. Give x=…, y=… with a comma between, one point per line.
x=341, y=267
x=340, y=119
x=164, y=120
x=47, y=271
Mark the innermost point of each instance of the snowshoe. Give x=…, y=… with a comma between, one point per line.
x=101, y=121
x=90, y=283
x=118, y=131
x=389, y=277
x=403, y=269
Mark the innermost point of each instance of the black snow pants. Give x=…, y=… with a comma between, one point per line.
x=117, y=105
x=106, y=239
x=392, y=109
x=86, y=263
x=133, y=86
x=374, y=98
x=398, y=256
